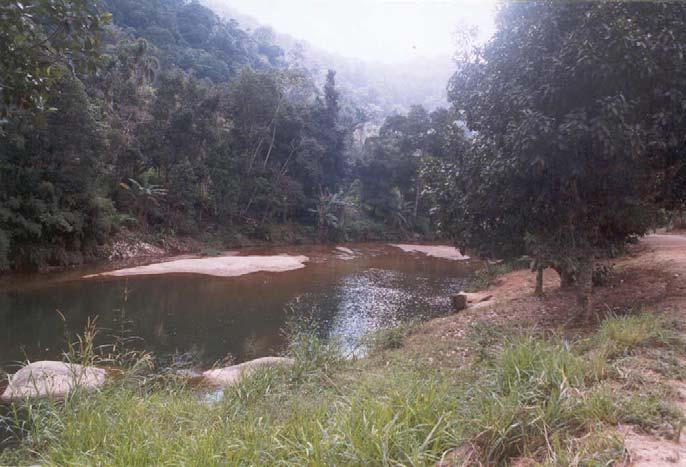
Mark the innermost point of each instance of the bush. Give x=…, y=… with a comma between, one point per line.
x=485, y=277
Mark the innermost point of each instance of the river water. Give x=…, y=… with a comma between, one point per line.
x=200, y=320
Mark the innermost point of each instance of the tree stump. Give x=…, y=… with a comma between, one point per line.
x=459, y=301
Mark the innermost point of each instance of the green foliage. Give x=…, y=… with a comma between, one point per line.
x=51, y=210
x=562, y=168
x=41, y=42
x=486, y=276
x=391, y=167
x=191, y=124
x=189, y=36
x=386, y=339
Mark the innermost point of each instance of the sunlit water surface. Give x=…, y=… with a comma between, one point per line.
x=200, y=320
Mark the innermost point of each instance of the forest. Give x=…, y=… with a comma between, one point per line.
x=170, y=121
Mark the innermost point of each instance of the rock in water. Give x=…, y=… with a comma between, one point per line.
x=232, y=375
x=52, y=379
x=459, y=301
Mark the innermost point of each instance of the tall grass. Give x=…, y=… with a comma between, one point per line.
x=620, y=335
x=534, y=397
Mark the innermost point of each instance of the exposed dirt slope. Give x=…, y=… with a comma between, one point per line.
x=652, y=276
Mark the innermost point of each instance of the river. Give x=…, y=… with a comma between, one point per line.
x=197, y=320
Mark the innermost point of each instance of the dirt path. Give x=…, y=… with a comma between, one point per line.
x=652, y=276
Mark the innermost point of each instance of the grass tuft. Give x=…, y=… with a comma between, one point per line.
x=386, y=339
x=620, y=335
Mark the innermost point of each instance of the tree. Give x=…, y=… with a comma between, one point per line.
x=393, y=164
x=51, y=208
x=575, y=106
x=333, y=165
x=42, y=40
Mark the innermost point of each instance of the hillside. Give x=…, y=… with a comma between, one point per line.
x=377, y=88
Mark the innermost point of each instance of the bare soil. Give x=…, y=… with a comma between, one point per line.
x=651, y=277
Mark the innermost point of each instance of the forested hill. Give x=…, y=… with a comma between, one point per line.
x=191, y=37
x=380, y=89
x=162, y=120
x=215, y=42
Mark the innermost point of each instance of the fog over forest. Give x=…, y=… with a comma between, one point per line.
x=414, y=44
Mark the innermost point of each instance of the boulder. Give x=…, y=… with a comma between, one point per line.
x=233, y=374
x=459, y=301
x=52, y=379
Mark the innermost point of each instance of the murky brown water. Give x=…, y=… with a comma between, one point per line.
x=206, y=318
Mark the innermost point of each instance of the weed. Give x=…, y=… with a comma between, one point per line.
x=485, y=277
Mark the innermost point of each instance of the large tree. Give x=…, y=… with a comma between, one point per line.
x=578, y=110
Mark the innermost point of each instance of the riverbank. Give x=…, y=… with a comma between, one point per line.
x=130, y=246
x=513, y=380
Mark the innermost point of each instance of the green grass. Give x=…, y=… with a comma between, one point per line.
x=386, y=339
x=529, y=396
x=621, y=335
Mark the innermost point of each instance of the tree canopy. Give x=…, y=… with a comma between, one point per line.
x=172, y=122
x=578, y=121
x=40, y=41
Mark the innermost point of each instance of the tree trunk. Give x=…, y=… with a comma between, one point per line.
x=539, y=280
x=417, y=196
x=567, y=276
x=584, y=291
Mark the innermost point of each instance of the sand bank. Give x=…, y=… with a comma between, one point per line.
x=437, y=251
x=224, y=266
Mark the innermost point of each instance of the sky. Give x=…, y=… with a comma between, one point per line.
x=373, y=30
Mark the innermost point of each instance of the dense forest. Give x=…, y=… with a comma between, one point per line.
x=158, y=117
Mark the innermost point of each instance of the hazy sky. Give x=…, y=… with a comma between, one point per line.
x=376, y=30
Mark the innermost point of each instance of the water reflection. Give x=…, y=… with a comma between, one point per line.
x=238, y=318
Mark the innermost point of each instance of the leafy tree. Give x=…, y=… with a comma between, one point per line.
x=333, y=164
x=575, y=109
x=392, y=166
x=330, y=213
x=145, y=195
x=51, y=209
